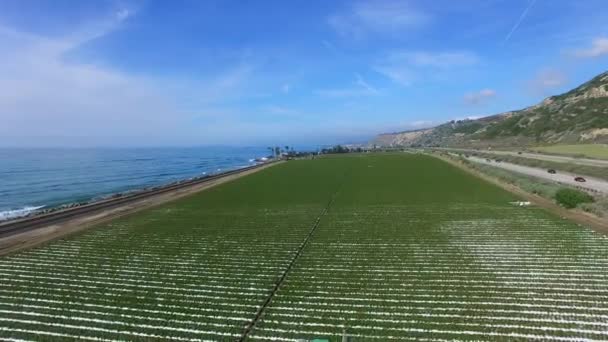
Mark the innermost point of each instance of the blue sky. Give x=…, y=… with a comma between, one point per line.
x=165, y=73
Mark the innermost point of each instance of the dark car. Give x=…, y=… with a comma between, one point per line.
x=580, y=179
x=519, y=152
x=551, y=171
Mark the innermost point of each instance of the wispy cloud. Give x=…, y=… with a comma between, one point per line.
x=398, y=73
x=479, y=97
x=421, y=124
x=48, y=99
x=329, y=46
x=403, y=67
x=598, y=48
x=359, y=88
x=438, y=60
x=380, y=17
x=521, y=18
x=344, y=92
x=123, y=14
x=363, y=84
x=547, y=80
x=43, y=95
x=281, y=111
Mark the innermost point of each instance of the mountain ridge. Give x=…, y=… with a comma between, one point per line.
x=576, y=116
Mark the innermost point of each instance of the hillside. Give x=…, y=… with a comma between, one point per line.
x=580, y=115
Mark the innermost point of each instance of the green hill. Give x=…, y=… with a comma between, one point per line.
x=577, y=116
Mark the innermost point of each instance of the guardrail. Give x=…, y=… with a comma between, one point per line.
x=29, y=223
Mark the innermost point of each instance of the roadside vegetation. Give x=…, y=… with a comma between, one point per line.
x=530, y=184
x=572, y=198
x=597, y=205
x=599, y=151
x=584, y=170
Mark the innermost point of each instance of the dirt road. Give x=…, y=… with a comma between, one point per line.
x=592, y=184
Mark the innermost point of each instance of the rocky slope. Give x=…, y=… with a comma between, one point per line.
x=580, y=115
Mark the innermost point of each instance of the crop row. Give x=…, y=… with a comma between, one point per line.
x=459, y=275
x=203, y=281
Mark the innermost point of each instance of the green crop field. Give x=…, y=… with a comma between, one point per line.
x=599, y=151
x=403, y=247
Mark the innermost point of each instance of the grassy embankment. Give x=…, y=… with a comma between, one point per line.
x=410, y=248
x=598, y=151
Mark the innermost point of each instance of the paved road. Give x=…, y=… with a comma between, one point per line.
x=539, y=156
x=593, y=184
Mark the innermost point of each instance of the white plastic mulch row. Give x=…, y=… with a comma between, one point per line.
x=400, y=273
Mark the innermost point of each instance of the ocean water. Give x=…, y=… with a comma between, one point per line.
x=31, y=179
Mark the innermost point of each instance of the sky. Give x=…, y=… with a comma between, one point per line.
x=190, y=73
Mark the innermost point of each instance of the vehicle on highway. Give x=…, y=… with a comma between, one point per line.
x=580, y=179
x=519, y=152
x=552, y=171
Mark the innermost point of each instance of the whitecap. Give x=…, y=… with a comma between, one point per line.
x=14, y=213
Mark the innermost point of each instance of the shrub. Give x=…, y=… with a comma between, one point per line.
x=599, y=207
x=570, y=198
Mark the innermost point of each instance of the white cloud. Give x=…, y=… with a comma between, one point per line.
x=46, y=99
x=598, y=48
x=363, y=84
x=359, y=88
x=329, y=46
x=344, y=92
x=479, y=97
x=438, y=60
x=547, y=80
x=400, y=74
x=403, y=67
x=380, y=16
x=122, y=14
x=43, y=96
x=421, y=124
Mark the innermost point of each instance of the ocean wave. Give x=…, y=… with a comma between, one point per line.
x=14, y=213
x=71, y=176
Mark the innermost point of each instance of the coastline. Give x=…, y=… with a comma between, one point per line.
x=79, y=222
x=38, y=181
x=34, y=211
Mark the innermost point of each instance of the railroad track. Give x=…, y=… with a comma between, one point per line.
x=30, y=223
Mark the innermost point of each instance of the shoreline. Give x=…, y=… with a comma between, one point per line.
x=32, y=211
x=78, y=219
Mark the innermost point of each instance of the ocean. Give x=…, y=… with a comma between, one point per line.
x=32, y=179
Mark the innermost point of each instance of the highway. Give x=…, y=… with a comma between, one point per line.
x=539, y=156
x=566, y=178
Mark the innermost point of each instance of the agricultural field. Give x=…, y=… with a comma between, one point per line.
x=384, y=247
x=598, y=151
